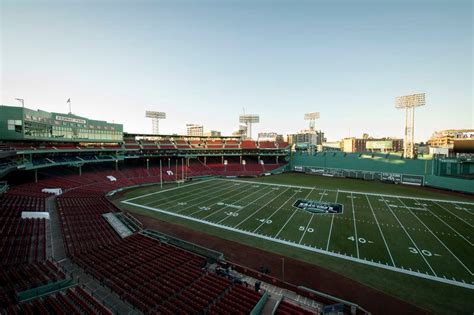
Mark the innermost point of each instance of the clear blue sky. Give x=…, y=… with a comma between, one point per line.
x=203, y=61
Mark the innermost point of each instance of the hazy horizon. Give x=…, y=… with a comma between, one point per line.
x=205, y=61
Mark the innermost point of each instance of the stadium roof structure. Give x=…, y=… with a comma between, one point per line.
x=175, y=135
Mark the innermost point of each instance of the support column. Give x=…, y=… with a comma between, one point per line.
x=182, y=169
x=80, y=170
x=161, y=175
x=205, y=160
x=176, y=175
x=36, y=175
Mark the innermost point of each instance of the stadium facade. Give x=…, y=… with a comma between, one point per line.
x=82, y=160
x=35, y=139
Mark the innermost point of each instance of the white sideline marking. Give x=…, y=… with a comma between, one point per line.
x=380, y=230
x=294, y=212
x=463, y=220
x=357, y=192
x=413, y=242
x=332, y=221
x=355, y=228
x=309, y=248
x=169, y=189
x=470, y=272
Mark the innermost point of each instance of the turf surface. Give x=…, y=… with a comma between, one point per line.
x=414, y=237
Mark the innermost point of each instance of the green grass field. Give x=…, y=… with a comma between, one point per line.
x=416, y=239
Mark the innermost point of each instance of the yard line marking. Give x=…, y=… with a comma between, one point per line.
x=438, y=239
x=332, y=221
x=309, y=248
x=468, y=211
x=265, y=194
x=413, y=242
x=188, y=194
x=161, y=191
x=200, y=196
x=355, y=228
x=311, y=219
x=449, y=226
x=380, y=230
x=307, y=225
x=356, y=192
x=294, y=212
x=463, y=220
x=226, y=190
x=281, y=206
x=233, y=202
x=216, y=184
x=259, y=209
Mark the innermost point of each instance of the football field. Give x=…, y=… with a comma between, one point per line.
x=426, y=238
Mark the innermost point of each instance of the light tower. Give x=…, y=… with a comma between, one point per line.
x=22, y=101
x=248, y=120
x=409, y=102
x=155, y=120
x=312, y=119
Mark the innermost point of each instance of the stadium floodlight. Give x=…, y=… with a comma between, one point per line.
x=312, y=119
x=409, y=102
x=22, y=101
x=248, y=120
x=155, y=119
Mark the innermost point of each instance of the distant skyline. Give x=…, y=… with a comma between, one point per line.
x=203, y=62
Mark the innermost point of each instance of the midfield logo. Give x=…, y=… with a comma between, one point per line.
x=318, y=206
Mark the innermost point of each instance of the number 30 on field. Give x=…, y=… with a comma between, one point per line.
x=361, y=239
x=425, y=252
x=309, y=230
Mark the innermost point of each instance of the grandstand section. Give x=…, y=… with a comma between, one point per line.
x=193, y=180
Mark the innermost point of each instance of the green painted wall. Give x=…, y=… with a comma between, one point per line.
x=18, y=123
x=363, y=162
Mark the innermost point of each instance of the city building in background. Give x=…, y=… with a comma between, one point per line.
x=194, y=130
x=241, y=133
x=212, y=133
x=306, y=139
x=270, y=136
x=451, y=142
x=333, y=146
x=366, y=143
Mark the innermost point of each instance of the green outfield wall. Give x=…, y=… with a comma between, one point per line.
x=434, y=172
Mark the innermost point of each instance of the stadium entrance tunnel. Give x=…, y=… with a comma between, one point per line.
x=316, y=207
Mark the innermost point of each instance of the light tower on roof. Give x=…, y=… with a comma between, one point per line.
x=312, y=120
x=155, y=120
x=248, y=120
x=409, y=102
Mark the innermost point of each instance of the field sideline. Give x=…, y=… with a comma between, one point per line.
x=427, y=238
